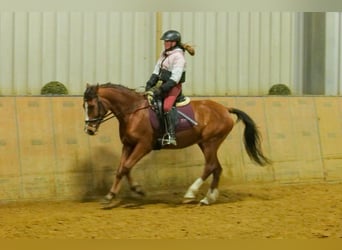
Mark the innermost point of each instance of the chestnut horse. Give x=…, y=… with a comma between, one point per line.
x=138, y=137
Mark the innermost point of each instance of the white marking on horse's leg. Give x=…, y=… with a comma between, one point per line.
x=193, y=189
x=211, y=197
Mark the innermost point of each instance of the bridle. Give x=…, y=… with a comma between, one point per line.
x=91, y=125
x=101, y=118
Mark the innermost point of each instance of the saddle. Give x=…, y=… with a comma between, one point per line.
x=182, y=114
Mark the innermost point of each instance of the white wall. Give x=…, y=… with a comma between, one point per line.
x=74, y=48
x=237, y=53
x=240, y=53
x=333, y=59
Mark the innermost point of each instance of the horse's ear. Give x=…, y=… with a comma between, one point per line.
x=88, y=85
x=97, y=87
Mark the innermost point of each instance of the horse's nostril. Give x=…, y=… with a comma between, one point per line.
x=90, y=129
x=90, y=132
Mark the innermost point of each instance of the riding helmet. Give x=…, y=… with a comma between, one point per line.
x=171, y=35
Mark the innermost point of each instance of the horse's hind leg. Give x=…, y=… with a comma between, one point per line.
x=213, y=192
x=212, y=166
x=190, y=195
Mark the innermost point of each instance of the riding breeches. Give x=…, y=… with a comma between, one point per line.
x=171, y=97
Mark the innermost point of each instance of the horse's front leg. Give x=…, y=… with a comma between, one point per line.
x=125, y=152
x=129, y=157
x=135, y=186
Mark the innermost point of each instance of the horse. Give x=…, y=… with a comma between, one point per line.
x=132, y=109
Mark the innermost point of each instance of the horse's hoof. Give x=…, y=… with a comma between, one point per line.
x=189, y=201
x=138, y=190
x=108, y=198
x=200, y=204
x=105, y=201
x=204, y=202
x=111, y=204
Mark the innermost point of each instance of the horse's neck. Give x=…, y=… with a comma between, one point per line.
x=122, y=102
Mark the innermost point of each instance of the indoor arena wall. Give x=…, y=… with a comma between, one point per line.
x=45, y=154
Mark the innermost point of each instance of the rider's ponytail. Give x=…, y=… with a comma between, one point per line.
x=188, y=48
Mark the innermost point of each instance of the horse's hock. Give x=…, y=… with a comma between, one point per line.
x=45, y=154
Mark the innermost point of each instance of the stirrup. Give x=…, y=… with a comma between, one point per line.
x=167, y=139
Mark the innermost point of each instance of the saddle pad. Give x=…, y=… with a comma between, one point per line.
x=182, y=123
x=183, y=103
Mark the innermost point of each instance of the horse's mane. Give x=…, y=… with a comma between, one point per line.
x=115, y=86
x=91, y=90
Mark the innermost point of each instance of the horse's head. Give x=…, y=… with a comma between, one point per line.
x=95, y=110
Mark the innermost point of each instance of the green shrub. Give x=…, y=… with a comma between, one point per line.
x=279, y=89
x=54, y=88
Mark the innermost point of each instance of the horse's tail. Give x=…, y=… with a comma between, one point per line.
x=251, y=137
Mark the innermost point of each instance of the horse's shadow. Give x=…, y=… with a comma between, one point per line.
x=96, y=174
x=228, y=196
x=174, y=199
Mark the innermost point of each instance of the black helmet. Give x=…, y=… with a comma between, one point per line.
x=171, y=35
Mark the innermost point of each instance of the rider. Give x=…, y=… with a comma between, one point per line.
x=170, y=70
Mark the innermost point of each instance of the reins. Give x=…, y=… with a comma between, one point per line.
x=111, y=115
x=107, y=117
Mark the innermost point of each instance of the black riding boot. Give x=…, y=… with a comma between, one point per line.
x=170, y=137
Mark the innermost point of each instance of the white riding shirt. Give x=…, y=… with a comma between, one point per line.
x=173, y=62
